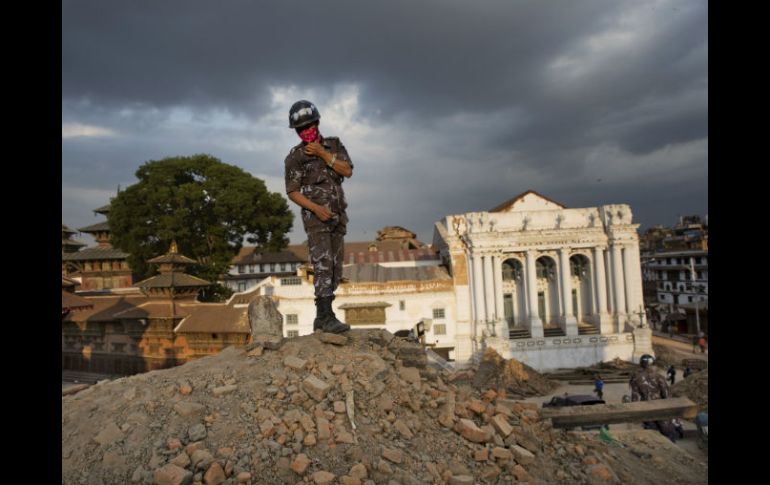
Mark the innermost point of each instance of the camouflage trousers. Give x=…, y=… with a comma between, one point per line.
x=326, y=247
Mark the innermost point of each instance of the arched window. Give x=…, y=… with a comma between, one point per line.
x=512, y=270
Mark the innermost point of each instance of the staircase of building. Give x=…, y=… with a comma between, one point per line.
x=519, y=332
x=553, y=332
x=587, y=329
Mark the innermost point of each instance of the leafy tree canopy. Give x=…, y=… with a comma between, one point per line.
x=205, y=205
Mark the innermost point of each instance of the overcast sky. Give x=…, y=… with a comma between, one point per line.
x=445, y=107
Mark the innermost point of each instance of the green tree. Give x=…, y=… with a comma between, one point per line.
x=206, y=206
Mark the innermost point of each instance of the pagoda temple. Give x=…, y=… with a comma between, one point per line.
x=101, y=267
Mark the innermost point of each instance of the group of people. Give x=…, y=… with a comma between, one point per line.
x=699, y=341
x=648, y=385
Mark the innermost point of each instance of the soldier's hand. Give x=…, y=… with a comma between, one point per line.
x=315, y=149
x=322, y=213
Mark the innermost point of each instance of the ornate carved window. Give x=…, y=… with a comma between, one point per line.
x=365, y=313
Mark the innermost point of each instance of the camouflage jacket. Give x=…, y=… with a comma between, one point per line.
x=648, y=385
x=315, y=180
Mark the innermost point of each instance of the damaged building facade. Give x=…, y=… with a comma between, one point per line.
x=550, y=286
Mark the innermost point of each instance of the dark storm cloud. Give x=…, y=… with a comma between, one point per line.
x=419, y=57
x=482, y=99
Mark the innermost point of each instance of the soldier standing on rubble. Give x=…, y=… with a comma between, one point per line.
x=647, y=385
x=314, y=172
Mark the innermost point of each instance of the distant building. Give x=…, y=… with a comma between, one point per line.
x=678, y=281
x=69, y=245
x=689, y=234
x=101, y=267
x=157, y=324
x=70, y=302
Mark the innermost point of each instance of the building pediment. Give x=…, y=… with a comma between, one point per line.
x=528, y=201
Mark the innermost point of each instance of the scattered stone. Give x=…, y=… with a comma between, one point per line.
x=221, y=391
x=471, y=432
x=501, y=425
x=601, y=472
x=256, y=352
x=196, y=432
x=172, y=475
x=181, y=460
x=358, y=471
x=391, y=454
x=294, y=363
x=300, y=464
x=323, y=477
x=333, y=338
x=315, y=387
x=522, y=455
x=502, y=454
x=109, y=435
x=461, y=480
x=184, y=408
x=521, y=474
x=214, y=475
x=185, y=388
x=403, y=429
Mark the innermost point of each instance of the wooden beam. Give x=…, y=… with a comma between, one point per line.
x=660, y=409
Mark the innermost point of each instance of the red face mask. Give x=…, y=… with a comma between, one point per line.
x=310, y=134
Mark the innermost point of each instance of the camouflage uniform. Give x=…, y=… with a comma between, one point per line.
x=648, y=385
x=315, y=180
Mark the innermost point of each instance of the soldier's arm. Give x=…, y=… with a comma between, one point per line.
x=634, y=391
x=665, y=391
x=342, y=164
x=320, y=211
x=293, y=179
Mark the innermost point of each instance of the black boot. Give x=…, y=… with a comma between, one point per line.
x=331, y=324
x=320, y=315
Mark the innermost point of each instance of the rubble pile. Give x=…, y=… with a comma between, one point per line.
x=665, y=357
x=362, y=408
x=696, y=388
x=517, y=378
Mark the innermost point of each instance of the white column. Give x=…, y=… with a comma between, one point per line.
x=535, y=323
x=610, y=276
x=636, y=300
x=628, y=282
x=619, y=286
x=489, y=292
x=569, y=323
x=497, y=269
x=478, y=289
x=602, y=316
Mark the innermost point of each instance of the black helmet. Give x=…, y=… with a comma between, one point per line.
x=646, y=360
x=303, y=113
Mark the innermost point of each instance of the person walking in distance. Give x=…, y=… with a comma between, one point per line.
x=314, y=172
x=702, y=344
x=599, y=387
x=671, y=373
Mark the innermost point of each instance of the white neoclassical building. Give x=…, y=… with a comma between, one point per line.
x=550, y=286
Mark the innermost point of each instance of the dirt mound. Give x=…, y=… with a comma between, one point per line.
x=696, y=388
x=617, y=364
x=328, y=409
x=665, y=357
x=517, y=378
